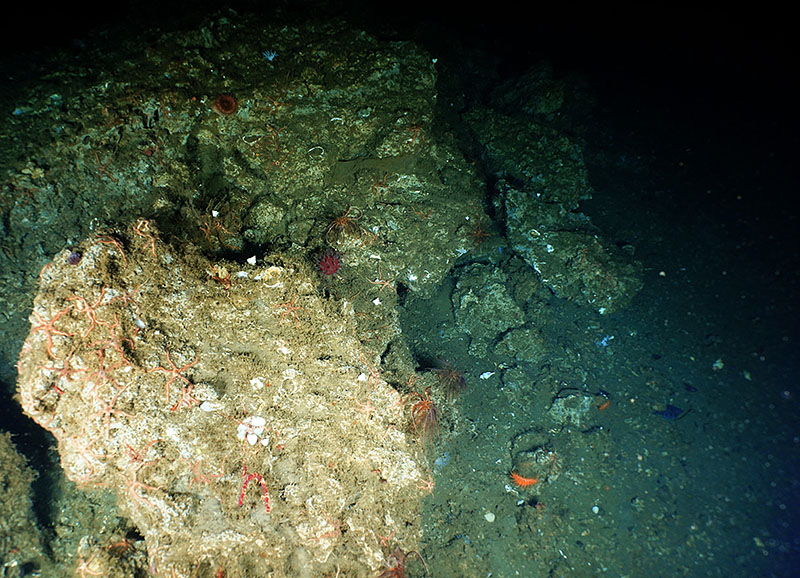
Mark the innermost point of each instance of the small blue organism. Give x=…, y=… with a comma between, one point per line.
x=441, y=462
x=605, y=341
x=269, y=54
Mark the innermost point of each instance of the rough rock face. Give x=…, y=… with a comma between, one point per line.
x=568, y=254
x=241, y=423
x=542, y=179
x=332, y=143
x=483, y=307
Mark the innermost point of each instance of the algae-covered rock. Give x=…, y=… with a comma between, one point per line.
x=241, y=423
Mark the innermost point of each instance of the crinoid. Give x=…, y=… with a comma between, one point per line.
x=344, y=225
x=424, y=416
x=477, y=230
x=396, y=563
x=452, y=380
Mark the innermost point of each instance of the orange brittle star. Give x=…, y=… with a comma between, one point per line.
x=290, y=307
x=175, y=373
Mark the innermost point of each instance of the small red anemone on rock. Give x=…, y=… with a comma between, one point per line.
x=225, y=104
x=329, y=262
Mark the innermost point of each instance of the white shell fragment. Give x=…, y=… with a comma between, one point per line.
x=257, y=383
x=251, y=429
x=486, y=374
x=210, y=406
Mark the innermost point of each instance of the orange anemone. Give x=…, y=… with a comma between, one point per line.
x=523, y=482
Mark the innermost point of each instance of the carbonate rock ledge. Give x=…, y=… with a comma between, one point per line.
x=240, y=421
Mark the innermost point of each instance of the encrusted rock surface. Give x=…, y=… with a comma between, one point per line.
x=240, y=421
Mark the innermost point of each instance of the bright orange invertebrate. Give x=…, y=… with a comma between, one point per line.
x=424, y=416
x=523, y=482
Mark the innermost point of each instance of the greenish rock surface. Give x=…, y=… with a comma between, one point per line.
x=542, y=179
x=331, y=143
x=525, y=344
x=21, y=545
x=483, y=307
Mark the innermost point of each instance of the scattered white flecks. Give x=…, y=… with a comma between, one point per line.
x=257, y=383
x=486, y=374
x=412, y=277
x=211, y=406
x=109, y=296
x=283, y=349
x=377, y=301
x=242, y=274
x=251, y=260
x=172, y=433
x=290, y=373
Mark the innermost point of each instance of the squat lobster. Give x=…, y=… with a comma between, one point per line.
x=396, y=563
